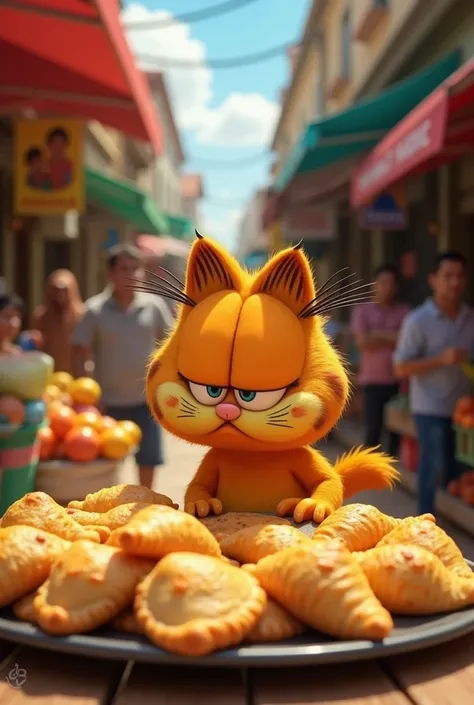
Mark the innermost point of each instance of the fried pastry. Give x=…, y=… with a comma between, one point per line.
x=88, y=586
x=24, y=610
x=231, y=522
x=40, y=511
x=26, y=557
x=113, y=519
x=410, y=580
x=255, y=542
x=361, y=526
x=193, y=604
x=111, y=497
x=156, y=530
x=323, y=586
x=428, y=535
x=275, y=624
x=127, y=622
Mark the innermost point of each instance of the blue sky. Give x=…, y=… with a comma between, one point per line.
x=212, y=128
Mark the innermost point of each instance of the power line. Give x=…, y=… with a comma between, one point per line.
x=164, y=62
x=205, y=13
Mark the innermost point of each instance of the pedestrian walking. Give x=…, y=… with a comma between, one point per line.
x=119, y=331
x=57, y=317
x=435, y=340
x=376, y=327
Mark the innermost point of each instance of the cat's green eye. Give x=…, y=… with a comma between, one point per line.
x=207, y=394
x=258, y=401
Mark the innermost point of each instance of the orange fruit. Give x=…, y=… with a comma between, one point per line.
x=61, y=420
x=115, y=443
x=62, y=380
x=85, y=390
x=13, y=409
x=58, y=451
x=133, y=430
x=52, y=393
x=90, y=418
x=82, y=444
x=66, y=399
x=108, y=422
x=47, y=443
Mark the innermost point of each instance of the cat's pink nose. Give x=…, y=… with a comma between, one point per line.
x=228, y=412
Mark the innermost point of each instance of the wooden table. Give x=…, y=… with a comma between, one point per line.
x=438, y=676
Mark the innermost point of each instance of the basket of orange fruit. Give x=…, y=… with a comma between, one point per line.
x=464, y=427
x=79, y=446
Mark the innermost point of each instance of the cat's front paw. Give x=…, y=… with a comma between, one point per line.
x=305, y=509
x=202, y=507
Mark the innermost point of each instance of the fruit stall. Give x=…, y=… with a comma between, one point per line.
x=53, y=436
x=457, y=503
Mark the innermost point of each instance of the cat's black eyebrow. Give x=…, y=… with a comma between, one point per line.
x=291, y=385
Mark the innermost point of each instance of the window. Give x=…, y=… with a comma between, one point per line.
x=346, y=44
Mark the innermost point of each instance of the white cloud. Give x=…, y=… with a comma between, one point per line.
x=223, y=228
x=242, y=119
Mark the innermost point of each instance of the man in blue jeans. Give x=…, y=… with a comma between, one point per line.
x=435, y=339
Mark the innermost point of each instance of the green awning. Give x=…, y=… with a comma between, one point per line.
x=179, y=227
x=363, y=124
x=124, y=200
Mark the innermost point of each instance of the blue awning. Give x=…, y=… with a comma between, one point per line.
x=363, y=124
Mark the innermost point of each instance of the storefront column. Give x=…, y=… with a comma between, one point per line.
x=36, y=269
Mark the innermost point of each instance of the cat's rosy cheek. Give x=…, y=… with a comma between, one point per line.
x=172, y=401
x=298, y=412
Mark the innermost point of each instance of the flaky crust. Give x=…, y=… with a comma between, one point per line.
x=193, y=604
x=428, y=535
x=323, y=586
x=231, y=522
x=88, y=586
x=111, y=497
x=275, y=624
x=26, y=557
x=113, y=519
x=410, y=580
x=361, y=526
x=24, y=610
x=156, y=531
x=39, y=510
x=255, y=542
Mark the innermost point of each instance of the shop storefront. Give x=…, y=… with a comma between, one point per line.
x=430, y=151
x=45, y=71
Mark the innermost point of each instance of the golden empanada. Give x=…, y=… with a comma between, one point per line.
x=231, y=522
x=194, y=604
x=410, y=580
x=428, y=535
x=111, y=497
x=113, y=519
x=156, y=530
x=127, y=622
x=323, y=586
x=39, y=510
x=26, y=557
x=24, y=610
x=275, y=624
x=361, y=526
x=251, y=544
x=89, y=585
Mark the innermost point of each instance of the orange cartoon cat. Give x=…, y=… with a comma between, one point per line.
x=249, y=372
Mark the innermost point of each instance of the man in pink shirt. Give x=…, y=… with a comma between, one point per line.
x=376, y=327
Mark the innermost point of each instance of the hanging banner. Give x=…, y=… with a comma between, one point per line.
x=48, y=167
x=388, y=211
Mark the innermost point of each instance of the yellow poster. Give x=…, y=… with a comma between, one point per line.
x=48, y=166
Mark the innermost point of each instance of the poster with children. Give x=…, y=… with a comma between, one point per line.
x=48, y=167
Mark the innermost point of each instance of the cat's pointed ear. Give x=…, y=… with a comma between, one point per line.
x=288, y=278
x=210, y=269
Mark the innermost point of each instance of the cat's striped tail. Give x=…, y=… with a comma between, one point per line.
x=366, y=469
